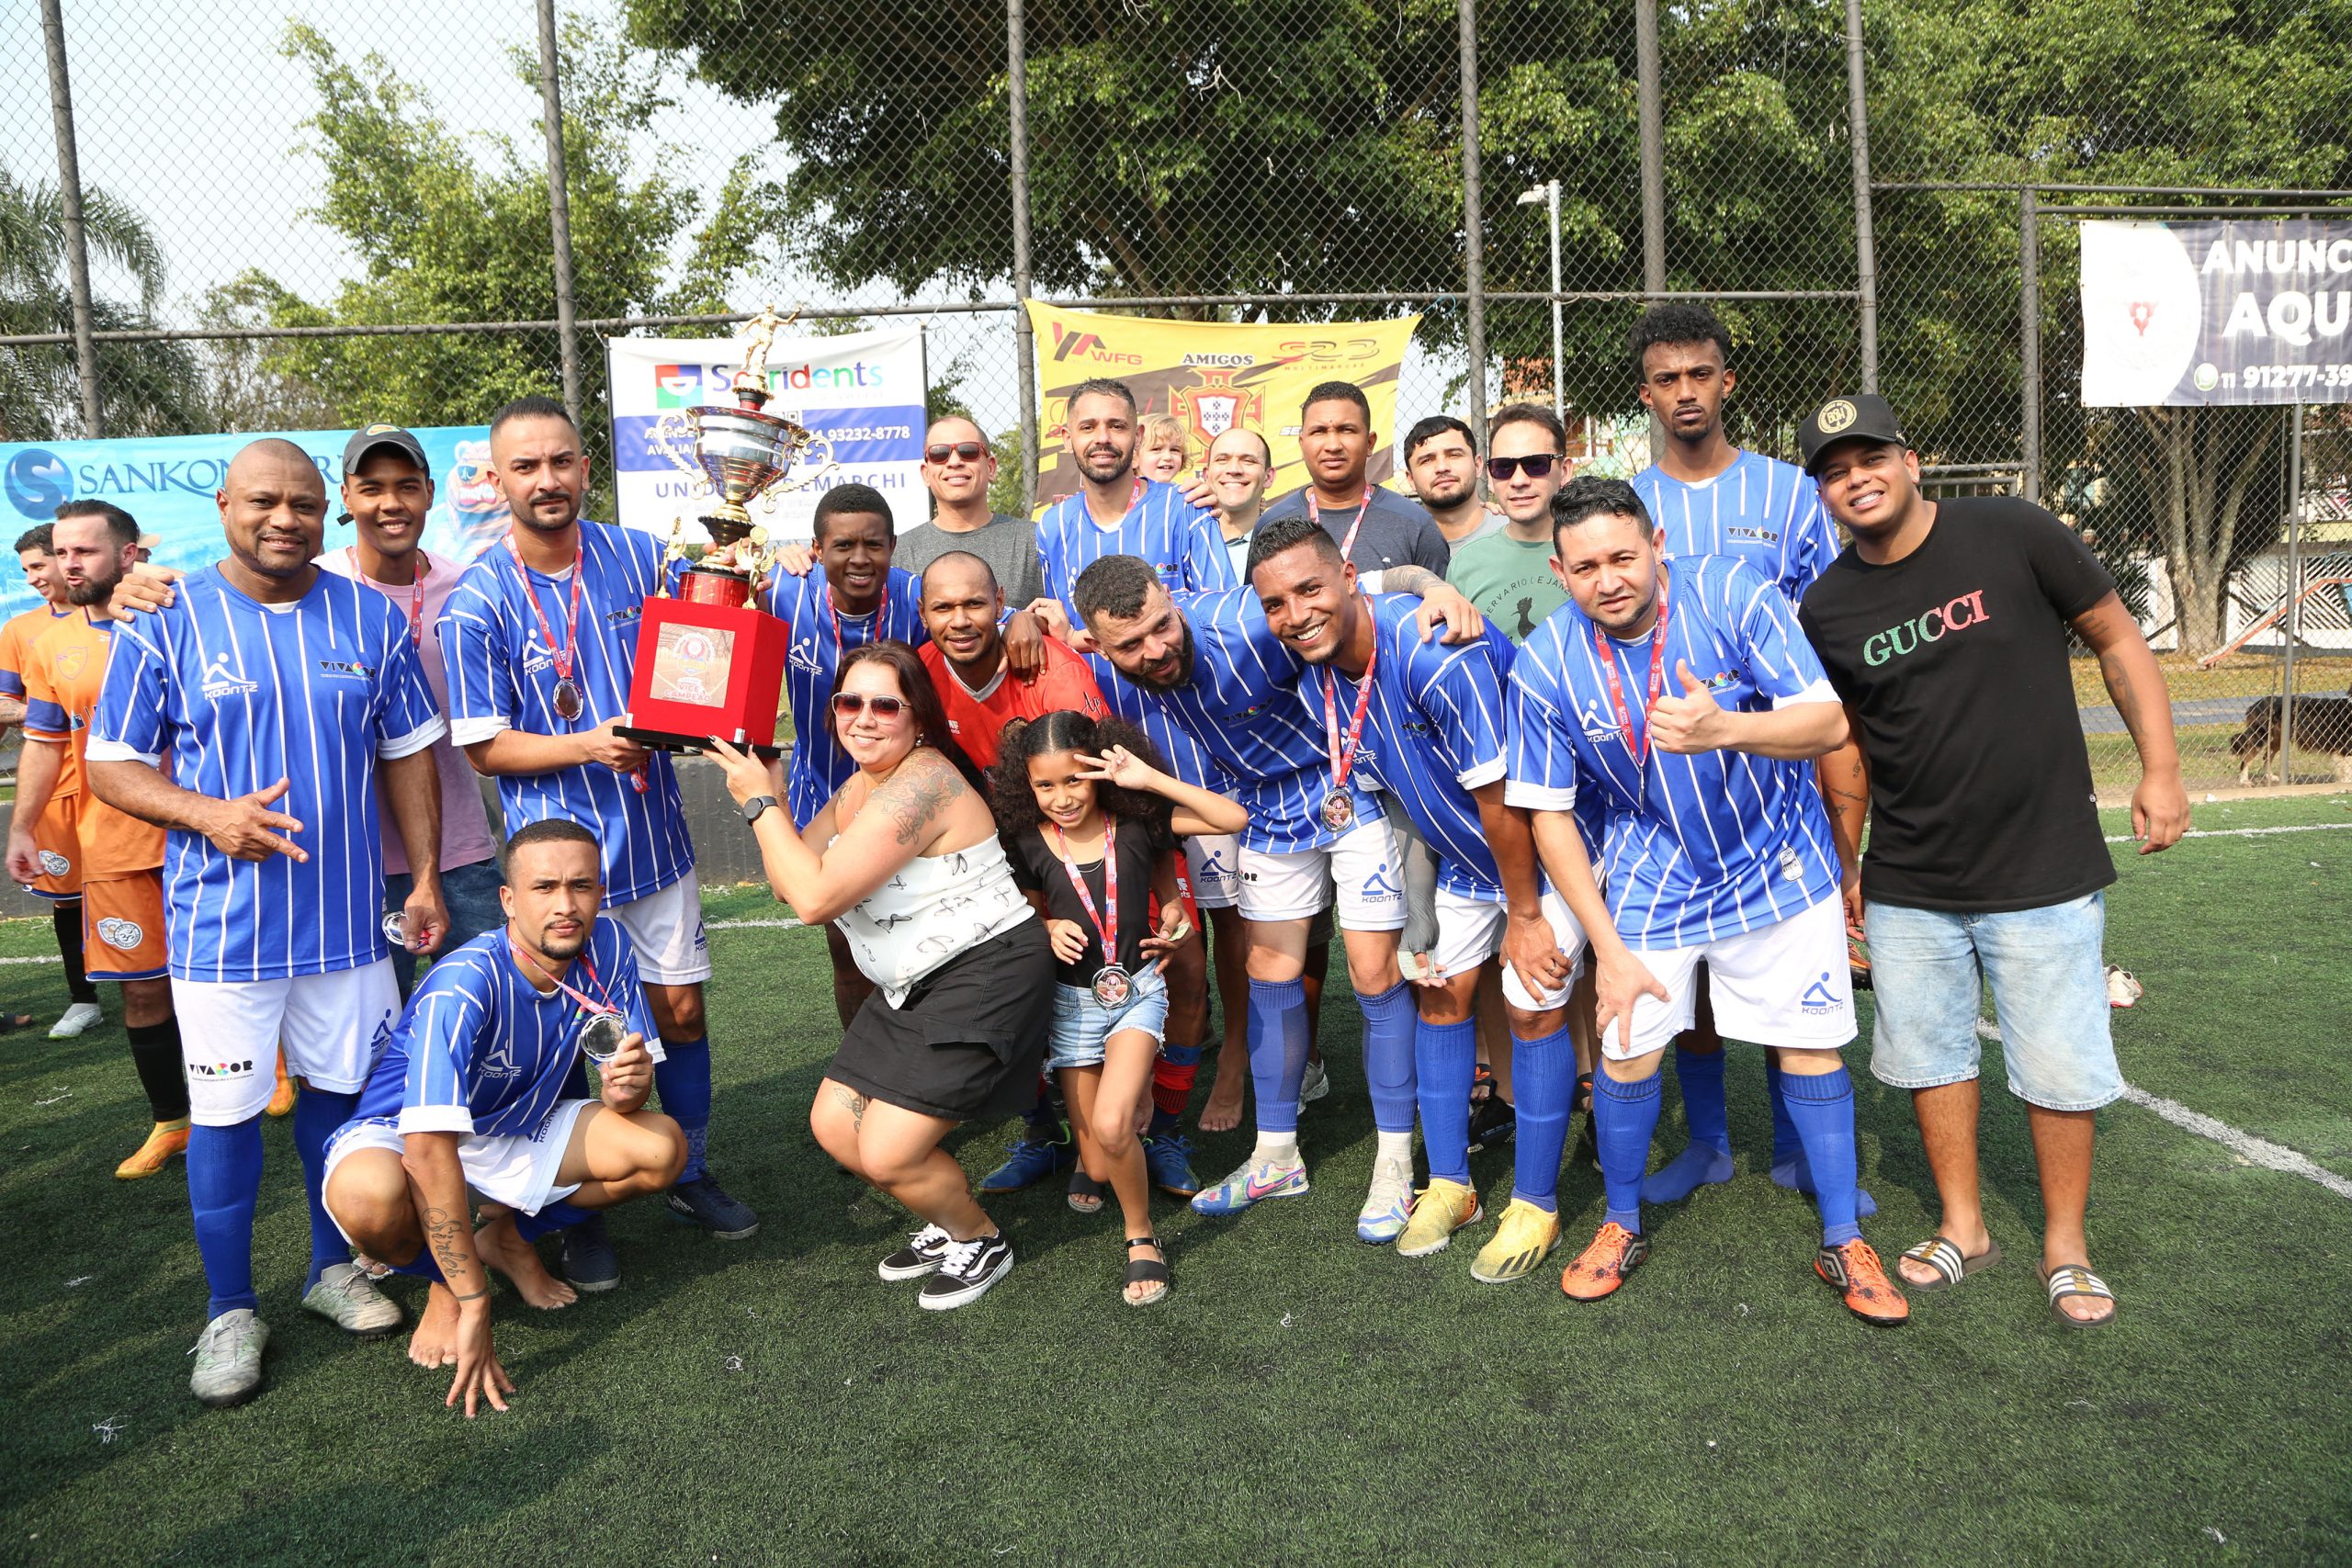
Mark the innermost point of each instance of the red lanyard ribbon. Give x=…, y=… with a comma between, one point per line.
x=1315, y=512
x=839, y=645
x=1343, y=757
x=1106, y=923
x=572, y=617
x=416, y=597
x=1641, y=747
x=588, y=1004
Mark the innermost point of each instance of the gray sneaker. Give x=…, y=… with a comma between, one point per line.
x=227, y=1359
x=1315, y=1084
x=346, y=1297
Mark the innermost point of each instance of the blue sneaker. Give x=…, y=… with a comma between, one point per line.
x=1032, y=1160
x=589, y=1261
x=1250, y=1185
x=704, y=1203
x=1168, y=1158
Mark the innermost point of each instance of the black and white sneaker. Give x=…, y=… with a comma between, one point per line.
x=967, y=1269
x=920, y=1256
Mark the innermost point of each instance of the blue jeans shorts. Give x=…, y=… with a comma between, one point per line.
x=1081, y=1024
x=1929, y=969
x=470, y=892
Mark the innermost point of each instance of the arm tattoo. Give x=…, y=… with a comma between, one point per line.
x=444, y=1232
x=1415, y=580
x=855, y=1103
x=2120, y=691
x=916, y=795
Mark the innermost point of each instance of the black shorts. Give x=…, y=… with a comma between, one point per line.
x=966, y=1045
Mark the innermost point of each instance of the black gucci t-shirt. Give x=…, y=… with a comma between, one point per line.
x=1954, y=661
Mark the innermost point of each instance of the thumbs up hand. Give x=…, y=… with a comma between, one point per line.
x=1691, y=723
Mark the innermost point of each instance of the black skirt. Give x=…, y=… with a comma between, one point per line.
x=967, y=1044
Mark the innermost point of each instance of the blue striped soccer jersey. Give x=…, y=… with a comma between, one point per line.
x=1693, y=847
x=1760, y=510
x=820, y=635
x=480, y=1050
x=503, y=675
x=1184, y=545
x=229, y=696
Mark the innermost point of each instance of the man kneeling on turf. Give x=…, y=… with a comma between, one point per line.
x=471, y=1093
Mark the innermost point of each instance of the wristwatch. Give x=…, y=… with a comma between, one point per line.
x=756, y=808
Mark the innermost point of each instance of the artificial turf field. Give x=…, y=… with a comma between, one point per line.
x=1301, y=1397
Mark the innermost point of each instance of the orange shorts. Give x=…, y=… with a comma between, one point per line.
x=122, y=928
x=57, y=836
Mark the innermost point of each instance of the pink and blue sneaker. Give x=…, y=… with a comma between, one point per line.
x=1252, y=1184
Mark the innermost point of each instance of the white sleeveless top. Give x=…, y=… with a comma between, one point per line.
x=934, y=908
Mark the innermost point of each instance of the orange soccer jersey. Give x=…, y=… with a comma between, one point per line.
x=64, y=668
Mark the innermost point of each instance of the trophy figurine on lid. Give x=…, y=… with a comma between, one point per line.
x=708, y=661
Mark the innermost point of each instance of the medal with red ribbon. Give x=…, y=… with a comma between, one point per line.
x=601, y=1036
x=1347, y=544
x=1113, y=983
x=1641, y=747
x=1339, y=806
x=567, y=691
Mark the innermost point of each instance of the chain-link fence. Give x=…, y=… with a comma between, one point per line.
x=297, y=217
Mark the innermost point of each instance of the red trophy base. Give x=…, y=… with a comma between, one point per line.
x=706, y=665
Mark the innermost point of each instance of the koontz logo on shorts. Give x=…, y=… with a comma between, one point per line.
x=1928, y=627
x=1377, y=885
x=1818, y=997
x=124, y=934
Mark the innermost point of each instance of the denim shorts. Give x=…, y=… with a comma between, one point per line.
x=1929, y=968
x=1081, y=1024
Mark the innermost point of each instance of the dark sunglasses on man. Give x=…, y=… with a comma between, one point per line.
x=1536, y=465
x=970, y=451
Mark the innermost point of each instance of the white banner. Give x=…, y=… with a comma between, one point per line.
x=864, y=392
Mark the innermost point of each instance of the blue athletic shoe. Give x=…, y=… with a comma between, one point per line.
x=1168, y=1158
x=589, y=1261
x=1031, y=1162
x=1250, y=1185
x=704, y=1203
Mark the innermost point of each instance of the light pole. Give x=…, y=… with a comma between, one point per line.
x=1548, y=193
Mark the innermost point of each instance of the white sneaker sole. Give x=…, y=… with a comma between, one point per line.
x=972, y=1290
x=1430, y=1249
x=894, y=1275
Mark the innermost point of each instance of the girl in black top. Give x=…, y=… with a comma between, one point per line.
x=1089, y=823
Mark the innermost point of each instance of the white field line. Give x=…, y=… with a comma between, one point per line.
x=2245, y=1145
x=2243, y=832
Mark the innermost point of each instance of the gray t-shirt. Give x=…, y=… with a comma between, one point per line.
x=1008, y=543
x=1395, y=532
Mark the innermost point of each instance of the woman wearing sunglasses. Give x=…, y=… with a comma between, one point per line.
x=904, y=861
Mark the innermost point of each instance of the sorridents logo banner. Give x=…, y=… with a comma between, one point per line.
x=865, y=390
x=167, y=482
x=2218, y=312
x=1212, y=375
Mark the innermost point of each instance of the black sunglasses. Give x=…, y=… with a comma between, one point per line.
x=970, y=451
x=849, y=705
x=1535, y=466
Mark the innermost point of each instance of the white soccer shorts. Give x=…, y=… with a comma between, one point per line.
x=1787, y=985
x=332, y=1028
x=516, y=1169
x=1366, y=865
x=666, y=929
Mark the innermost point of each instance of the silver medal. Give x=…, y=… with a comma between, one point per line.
x=1338, y=810
x=600, y=1037
x=1113, y=986
x=567, y=698
x=396, y=929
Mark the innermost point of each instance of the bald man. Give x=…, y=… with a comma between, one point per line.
x=959, y=467
x=252, y=719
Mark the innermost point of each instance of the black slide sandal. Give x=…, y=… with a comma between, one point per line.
x=1146, y=1271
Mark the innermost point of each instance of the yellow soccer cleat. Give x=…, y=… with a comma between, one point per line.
x=281, y=1099
x=167, y=1139
x=1525, y=1238
x=1445, y=1207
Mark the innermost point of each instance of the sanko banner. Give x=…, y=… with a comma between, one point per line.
x=2222, y=312
x=862, y=391
x=1214, y=376
x=168, y=481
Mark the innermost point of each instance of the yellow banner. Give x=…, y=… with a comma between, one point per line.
x=1214, y=376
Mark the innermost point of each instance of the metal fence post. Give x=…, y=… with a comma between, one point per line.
x=558, y=207
x=2029, y=344
x=69, y=202
x=1649, y=99
x=1865, y=242
x=1025, y=340
x=1474, y=260
x=2292, y=618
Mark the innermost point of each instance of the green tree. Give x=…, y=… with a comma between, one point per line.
x=445, y=234
x=144, y=388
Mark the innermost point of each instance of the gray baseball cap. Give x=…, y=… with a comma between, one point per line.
x=373, y=437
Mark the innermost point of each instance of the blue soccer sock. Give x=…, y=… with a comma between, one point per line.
x=1392, y=1033
x=1445, y=1055
x=1544, y=1073
x=1789, y=1168
x=683, y=1083
x=1624, y=1117
x=223, y=1185
x=1822, y=1108
x=558, y=1216
x=317, y=1114
x=1708, y=1158
x=1277, y=1052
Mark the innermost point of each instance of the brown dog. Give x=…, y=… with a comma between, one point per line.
x=2322, y=728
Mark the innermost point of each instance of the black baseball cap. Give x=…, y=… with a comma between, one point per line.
x=1863, y=417
x=373, y=437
